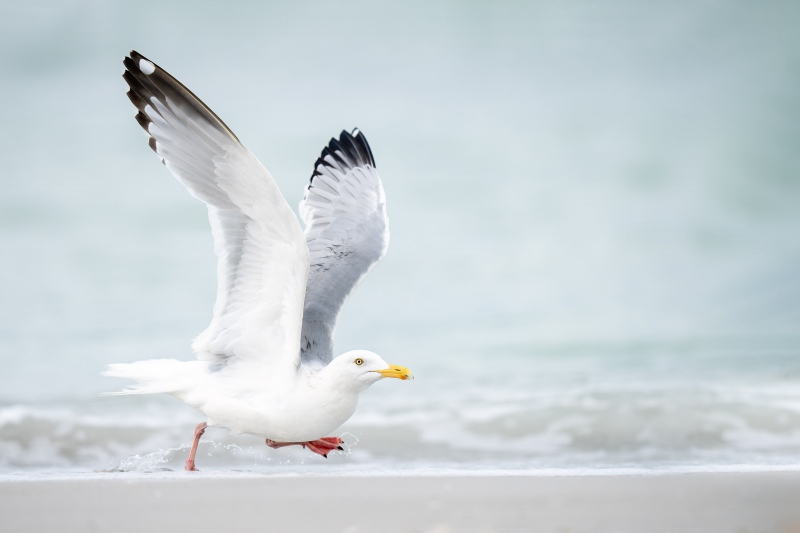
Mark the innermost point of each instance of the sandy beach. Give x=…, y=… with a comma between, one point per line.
x=707, y=503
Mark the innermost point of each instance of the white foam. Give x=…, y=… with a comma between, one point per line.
x=405, y=472
x=146, y=66
x=588, y=427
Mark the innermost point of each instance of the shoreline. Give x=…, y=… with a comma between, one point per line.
x=169, y=501
x=333, y=471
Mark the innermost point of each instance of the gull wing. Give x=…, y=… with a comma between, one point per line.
x=262, y=256
x=347, y=231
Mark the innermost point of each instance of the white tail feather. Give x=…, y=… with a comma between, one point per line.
x=158, y=376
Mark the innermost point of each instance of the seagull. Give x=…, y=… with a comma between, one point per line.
x=265, y=364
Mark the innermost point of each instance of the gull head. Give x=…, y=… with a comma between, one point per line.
x=358, y=369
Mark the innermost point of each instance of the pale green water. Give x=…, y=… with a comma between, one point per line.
x=594, y=212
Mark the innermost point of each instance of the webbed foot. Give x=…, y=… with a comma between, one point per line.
x=321, y=446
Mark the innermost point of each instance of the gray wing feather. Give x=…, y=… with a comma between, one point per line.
x=347, y=232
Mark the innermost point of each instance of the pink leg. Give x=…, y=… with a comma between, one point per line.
x=198, y=432
x=321, y=446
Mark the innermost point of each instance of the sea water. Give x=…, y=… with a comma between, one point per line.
x=594, y=211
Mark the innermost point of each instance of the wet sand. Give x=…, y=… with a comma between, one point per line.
x=181, y=502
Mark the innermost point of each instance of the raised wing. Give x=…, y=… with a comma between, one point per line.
x=262, y=256
x=347, y=231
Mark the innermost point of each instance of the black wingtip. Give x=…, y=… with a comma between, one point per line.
x=362, y=140
x=136, y=100
x=132, y=61
x=130, y=65
x=156, y=82
x=350, y=150
x=143, y=121
x=136, y=56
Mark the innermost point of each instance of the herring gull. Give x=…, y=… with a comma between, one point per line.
x=265, y=364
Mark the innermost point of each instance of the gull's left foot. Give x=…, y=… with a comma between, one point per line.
x=321, y=446
x=198, y=432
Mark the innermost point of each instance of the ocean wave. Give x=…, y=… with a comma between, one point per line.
x=582, y=427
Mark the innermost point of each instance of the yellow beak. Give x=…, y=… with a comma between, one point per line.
x=399, y=372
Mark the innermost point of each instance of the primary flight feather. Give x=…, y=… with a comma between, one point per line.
x=265, y=362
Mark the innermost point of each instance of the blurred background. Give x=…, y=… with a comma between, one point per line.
x=594, y=210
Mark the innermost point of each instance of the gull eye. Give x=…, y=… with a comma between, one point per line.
x=359, y=361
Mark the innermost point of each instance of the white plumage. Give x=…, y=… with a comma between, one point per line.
x=265, y=362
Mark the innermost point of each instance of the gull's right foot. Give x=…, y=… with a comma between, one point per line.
x=321, y=446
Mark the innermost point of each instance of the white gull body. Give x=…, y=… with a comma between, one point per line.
x=265, y=364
